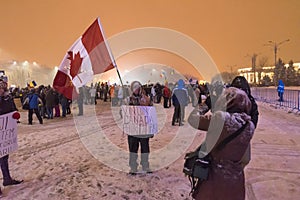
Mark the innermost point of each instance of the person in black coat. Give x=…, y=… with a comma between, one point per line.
x=50, y=102
x=7, y=105
x=241, y=83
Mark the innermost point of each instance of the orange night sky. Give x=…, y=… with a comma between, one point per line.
x=229, y=30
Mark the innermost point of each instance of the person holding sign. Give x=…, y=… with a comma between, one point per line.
x=7, y=105
x=138, y=98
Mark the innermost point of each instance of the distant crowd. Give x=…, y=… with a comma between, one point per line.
x=51, y=104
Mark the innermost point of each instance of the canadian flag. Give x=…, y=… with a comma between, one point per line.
x=89, y=55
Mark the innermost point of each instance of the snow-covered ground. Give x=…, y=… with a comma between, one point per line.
x=55, y=163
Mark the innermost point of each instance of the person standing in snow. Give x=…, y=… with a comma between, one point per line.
x=33, y=100
x=226, y=179
x=7, y=105
x=280, y=90
x=138, y=98
x=180, y=100
x=241, y=83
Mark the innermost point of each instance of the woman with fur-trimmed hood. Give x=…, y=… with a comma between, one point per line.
x=226, y=175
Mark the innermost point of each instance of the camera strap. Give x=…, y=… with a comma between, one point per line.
x=228, y=139
x=219, y=147
x=222, y=144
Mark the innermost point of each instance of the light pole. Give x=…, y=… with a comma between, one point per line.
x=253, y=65
x=276, y=45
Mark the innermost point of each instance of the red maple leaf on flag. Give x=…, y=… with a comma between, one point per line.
x=75, y=63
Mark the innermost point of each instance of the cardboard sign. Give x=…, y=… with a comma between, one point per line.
x=139, y=120
x=8, y=134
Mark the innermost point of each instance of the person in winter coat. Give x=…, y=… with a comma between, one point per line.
x=280, y=90
x=7, y=105
x=138, y=98
x=33, y=100
x=166, y=95
x=180, y=100
x=63, y=102
x=226, y=178
x=56, y=105
x=50, y=102
x=158, y=92
x=80, y=100
x=120, y=95
x=241, y=83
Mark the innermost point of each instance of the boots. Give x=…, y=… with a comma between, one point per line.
x=12, y=182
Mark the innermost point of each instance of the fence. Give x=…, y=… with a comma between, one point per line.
x=291, y=98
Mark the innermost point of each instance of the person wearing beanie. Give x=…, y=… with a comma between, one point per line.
x=138, y=98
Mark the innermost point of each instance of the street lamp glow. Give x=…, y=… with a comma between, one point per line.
x=276, y=45
x=25, y=63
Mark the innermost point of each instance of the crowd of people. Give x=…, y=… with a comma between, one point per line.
x=234, y=102
x=47, y=103
x=231, y=105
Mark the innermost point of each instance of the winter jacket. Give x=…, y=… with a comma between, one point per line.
x=7, y=104
x=50, y=99
x=280, y=87
x=180, y=97
x=34, y=100
x=226, y=179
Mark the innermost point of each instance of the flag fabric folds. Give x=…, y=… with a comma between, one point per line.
x=89, y=55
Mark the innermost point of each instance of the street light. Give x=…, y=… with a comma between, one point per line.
x=253, y=61
x=276, y=45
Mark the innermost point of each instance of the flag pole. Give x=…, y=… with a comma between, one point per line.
x=119, y=76
x=109, y=51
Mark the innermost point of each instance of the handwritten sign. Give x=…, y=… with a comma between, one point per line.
x=139, y=120
x=8, y=134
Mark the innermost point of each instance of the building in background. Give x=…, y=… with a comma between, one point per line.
x=248, y=72
x=21, y=73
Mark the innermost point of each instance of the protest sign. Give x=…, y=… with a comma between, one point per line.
x=8, y=134
x=139, y=120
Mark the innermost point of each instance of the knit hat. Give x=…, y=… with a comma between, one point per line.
x=233, y=100
x=135, y=85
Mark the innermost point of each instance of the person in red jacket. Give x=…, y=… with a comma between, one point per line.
x=7, y=105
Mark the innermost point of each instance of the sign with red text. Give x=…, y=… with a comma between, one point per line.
x=139, y=120
x=8, y=134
